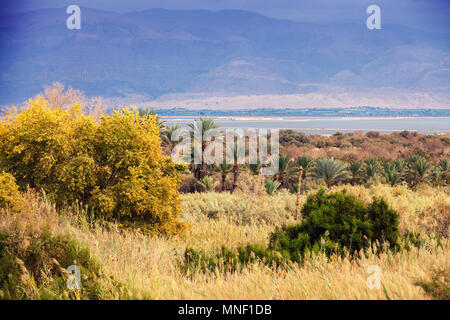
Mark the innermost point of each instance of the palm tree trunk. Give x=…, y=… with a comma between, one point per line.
x=300, y=175
x=204, y=170
x=224, y=177
x=235, y=175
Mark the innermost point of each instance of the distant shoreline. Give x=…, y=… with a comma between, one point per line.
x=302, y=118
x=327, y=125
x=313, y=113
x=345, y=130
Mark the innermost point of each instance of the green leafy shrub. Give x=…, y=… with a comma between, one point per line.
x=332, y=223
x=35, y=268
x=228, y=260
x=225, y=260
x=271, y=186
x=35, y=256
x=336, y=221
x=384, y=220
x=208, y=184
x=438, y=287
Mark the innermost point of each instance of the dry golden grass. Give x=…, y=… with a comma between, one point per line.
x=149, y=266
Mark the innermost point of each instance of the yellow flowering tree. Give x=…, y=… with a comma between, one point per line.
x=10, y=197
x=114, y=165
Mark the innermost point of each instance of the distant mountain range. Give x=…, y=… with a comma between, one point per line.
x=305, y=112
x=173, y=55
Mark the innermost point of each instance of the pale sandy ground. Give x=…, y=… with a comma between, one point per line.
x=328, y=97
x=231, y=122
x=293, y=119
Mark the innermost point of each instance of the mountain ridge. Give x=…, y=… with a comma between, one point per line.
x=159, y=52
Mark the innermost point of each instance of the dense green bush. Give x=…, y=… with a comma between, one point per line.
x=228, y=260
x=332, y=224
x=35, y=268
x=225, y=260
x=384, y=220
x=438, y=287
x=334, y=221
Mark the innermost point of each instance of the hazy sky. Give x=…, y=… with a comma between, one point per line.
x=422, y=14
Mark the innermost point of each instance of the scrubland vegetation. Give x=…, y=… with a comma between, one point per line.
x=361, y=146
x=99, y=193
x=135, y=265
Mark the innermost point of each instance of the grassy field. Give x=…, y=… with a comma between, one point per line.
x=98, y=194
x=149, y=266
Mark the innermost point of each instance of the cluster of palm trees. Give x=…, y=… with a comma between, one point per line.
x=413, y=170
x=200, y=129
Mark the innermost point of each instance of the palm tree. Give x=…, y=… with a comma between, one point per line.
x=391, y=173
x=233, y=149
x=355, y=169
x=399, y=165
x=208, y=183
x=193, y=167
x=413, y=159
x=370, y=168
x=224, y=169
x=444, y=167
x=330, y=170
x=167, y=136
x=236, y=170
x=271, y=186
x=418, y=171
x=299, y=188
x=255, y=168
x=307, y=163
x=436, y=176
x=286, y=169
x=200, y=128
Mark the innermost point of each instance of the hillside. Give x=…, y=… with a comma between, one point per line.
x=157, y=53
